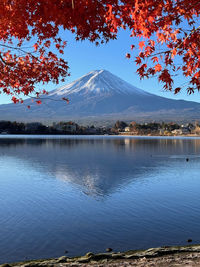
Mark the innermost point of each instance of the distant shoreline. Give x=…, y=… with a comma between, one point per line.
x=103, y=135
x=159, y=135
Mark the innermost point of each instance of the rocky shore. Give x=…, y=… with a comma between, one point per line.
x=161, y=257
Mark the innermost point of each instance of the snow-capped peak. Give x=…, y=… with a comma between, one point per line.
x=98, y=82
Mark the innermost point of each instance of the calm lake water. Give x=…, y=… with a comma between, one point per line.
x=86, y=193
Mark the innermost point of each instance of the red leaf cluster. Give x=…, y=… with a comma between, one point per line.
x=168, y=30
x=29, y=33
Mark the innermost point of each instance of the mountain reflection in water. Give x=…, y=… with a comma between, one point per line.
x=99, y=166
x=88, y=193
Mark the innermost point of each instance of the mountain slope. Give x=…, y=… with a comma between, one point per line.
x=100, y=96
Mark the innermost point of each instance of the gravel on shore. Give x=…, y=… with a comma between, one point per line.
x=160, y=257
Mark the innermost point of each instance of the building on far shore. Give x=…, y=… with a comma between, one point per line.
x=181, y=131
x=127, y=129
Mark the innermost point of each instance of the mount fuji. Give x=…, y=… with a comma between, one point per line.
x=101, y=96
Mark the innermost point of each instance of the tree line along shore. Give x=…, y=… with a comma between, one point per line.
x=118, y=128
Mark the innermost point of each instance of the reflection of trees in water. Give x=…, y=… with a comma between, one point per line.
x=161, y=145
x=48, y=141
x=11, y=142
x=121, y=143
x=99, y=166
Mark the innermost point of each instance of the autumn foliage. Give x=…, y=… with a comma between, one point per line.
x=165, y=34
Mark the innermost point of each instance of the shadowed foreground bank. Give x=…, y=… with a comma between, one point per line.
x=162, y=257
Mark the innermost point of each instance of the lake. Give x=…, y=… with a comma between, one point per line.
x=88, y=193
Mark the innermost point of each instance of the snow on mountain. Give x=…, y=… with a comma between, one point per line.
x=98, y=82
x=100, y=96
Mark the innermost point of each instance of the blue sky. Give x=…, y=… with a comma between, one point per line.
x=84, y=57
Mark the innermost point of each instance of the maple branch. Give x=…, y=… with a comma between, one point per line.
x=5, y=62
x=188, y=35
x=16, y=48
x=22, y=50
x=159, y=53
x=194, y=30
